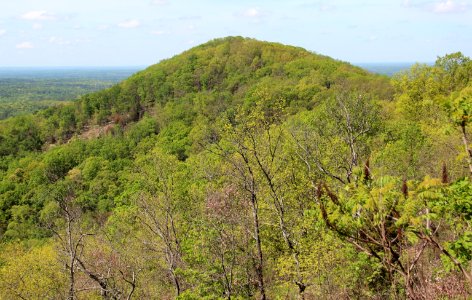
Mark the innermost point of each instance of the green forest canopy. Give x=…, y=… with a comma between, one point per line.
x=243, y=169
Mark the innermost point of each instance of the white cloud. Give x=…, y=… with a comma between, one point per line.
x=25, y=45
x=37, y=26
x=129, y=24
x=38, y=15
x=438, y=6
x=2, y=32
x=449, y=6
x=160, y=2
x=252, y=13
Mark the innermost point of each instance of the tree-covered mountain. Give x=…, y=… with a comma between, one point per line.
x=204, y=82
x=244, y=169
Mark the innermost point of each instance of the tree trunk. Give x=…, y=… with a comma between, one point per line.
x=176, y=283
x=260, y=263
x=71, y=249
x=467, y=149
x=71, y=295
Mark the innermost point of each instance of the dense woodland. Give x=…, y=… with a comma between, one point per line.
x=243, y=169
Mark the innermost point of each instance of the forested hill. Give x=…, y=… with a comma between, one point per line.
x=201, y=83
x=244, y=169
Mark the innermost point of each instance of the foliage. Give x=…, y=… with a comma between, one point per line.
x=243, y=169
x=30, y=272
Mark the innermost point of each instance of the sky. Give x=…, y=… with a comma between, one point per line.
x=143, y=32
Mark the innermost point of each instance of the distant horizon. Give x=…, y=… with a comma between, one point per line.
x=145, y=66
x=143, y=32
x=33, y=72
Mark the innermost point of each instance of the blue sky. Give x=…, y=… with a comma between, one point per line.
x=142, y=32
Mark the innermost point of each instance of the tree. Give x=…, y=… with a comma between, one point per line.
x=227, y=216
x=456, y=71
x=372, y=218
x=460, y=111
x=31, y=272
x=334, y=139
x=234, y=150
x=448, y=210
x=160, y=200
x=66, y=220
x=263, y=138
